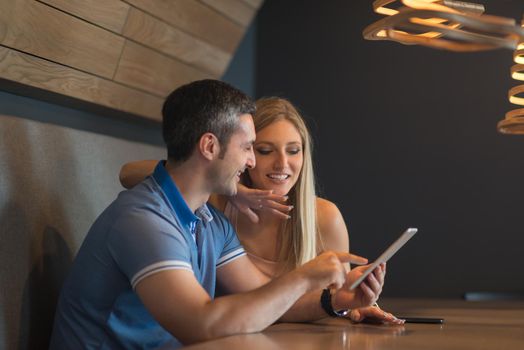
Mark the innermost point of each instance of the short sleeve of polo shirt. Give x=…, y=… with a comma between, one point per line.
x=143, y=243
x=232, y=247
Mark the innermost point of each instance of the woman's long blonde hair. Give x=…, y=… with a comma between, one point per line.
x=299, y=239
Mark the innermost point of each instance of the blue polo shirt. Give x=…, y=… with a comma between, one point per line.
x=145, y=230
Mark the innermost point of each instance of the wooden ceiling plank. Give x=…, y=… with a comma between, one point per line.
x=254, y=3
x=108, y=14
x=39, y=30
x=196, y=19
x=160, y=36
x=150, y=71
x=39, y=73
x=236, y=10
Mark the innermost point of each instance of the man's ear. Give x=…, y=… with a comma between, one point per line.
x=209, y=146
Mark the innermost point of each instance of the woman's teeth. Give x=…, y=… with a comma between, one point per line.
x=278, y=176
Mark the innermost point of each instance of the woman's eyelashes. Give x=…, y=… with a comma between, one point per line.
x=266, y=151
x=263, y=151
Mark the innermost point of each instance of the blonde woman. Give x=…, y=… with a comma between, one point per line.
x=279, y=219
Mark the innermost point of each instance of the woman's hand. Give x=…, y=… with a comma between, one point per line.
x=373, y=314
x=250, y=201
x=365, y=294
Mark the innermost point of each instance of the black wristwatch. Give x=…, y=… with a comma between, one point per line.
x=325, y=302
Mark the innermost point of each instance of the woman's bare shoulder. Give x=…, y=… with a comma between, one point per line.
x=327, y=210
x=331, y=225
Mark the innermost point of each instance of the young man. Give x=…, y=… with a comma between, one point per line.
x=145, y=274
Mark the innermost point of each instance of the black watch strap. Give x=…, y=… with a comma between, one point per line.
x=325, y=302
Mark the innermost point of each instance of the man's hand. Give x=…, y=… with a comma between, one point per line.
x=250, y=201
x=365, y=294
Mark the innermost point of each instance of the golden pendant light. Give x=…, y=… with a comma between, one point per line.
x=443, y=24
x=455, y=26
x=514, y=121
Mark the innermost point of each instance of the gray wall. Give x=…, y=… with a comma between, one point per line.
x=405, y=136
x=241, y=72
x=55, y=181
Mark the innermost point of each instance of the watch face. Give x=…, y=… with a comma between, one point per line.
x=342, y=313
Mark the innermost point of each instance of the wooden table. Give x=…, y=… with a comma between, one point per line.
x=467, y=325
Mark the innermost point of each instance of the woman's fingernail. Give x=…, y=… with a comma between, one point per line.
x=289, y=208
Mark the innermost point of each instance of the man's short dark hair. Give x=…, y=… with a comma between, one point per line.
x=199, y=107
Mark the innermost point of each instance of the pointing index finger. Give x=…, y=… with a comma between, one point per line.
x=351, y=258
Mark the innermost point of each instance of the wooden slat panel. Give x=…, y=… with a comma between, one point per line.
x=46, y=32
x=5, y=14
x=196, y=19
x=236, y=10
x=150, y=71
x=7, y=8
x=39, y=73
x=157, y=34
x=254, y=3
x=109, y=14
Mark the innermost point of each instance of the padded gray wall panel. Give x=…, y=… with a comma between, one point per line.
x=54, y=181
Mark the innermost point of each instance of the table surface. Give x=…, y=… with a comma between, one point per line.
x=467, y=325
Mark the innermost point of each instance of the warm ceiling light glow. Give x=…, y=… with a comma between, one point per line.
x=443, y=24
x=518, y=56
x=385, y=11
x=379, y=6
x=513, y=95
x=513, y=123
x=517, y=72
x=428, y=5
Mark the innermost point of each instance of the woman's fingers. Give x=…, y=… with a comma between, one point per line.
x=252, y=216
x=269, y=204
x=358, y=260
x=259, y=195
x=369, y=295
x=374, y=283
x=357, y=315
x=374, y=314
x=279, y=214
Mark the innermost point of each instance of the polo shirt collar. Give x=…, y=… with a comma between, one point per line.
x=178, y=203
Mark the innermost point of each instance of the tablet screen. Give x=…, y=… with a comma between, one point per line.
x=388, y=253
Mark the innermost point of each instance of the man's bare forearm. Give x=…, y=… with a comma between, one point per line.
x=255, y=310
x=259, y=308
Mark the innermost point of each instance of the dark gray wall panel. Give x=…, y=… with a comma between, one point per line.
x=406, y=136
x=55, y=181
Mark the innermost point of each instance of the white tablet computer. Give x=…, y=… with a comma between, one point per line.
x=388, y=253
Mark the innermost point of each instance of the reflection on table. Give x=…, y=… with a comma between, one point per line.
x=467, y=325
